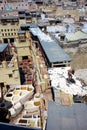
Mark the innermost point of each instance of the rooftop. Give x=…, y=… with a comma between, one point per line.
x=67, y=118
x=52, y=50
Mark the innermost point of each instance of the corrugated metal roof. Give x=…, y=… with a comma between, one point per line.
x=25, y=25
x=52, y=50
x=35, y=30
x=76, y=36
x=9, y=17
x=3, y=47
x=67, y=117
x=33, y=25
x=21, y=32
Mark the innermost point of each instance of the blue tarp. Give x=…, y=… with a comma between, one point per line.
x=3, y=47
x=9, y=9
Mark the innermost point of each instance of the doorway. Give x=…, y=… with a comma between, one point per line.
x=11, y=40
x=5, y=40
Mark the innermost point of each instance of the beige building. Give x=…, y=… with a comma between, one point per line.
x=14, y=4
x=9, y=75
x=9, y=71
x=10, y=33
x=23, y=44
x=21, y=50
x=9, y=27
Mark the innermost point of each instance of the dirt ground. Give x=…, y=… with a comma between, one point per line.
x=78, y=55
x=79, y=62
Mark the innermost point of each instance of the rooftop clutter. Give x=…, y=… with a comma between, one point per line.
x=59, y=76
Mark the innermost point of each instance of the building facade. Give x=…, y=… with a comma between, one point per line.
x=14, y=5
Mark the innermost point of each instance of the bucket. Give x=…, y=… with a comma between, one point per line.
x=37, y=101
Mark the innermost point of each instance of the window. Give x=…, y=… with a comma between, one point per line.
x=2, y=8
x=5, y=30
x=24, y=57
x=2, y=34
x=1, y=30
x=10, y=75
x=5, y=34
x=8, y=29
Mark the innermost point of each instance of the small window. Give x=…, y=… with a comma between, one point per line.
x=2, y=34
x=5, y=30
x=24, y=57
x=1, y=30
x=10, y=75
x=2, y=8
x=8, y=30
